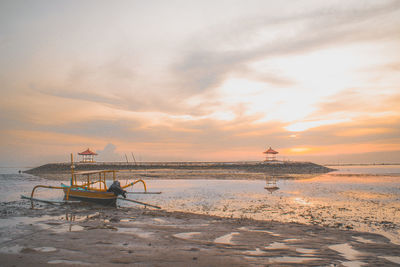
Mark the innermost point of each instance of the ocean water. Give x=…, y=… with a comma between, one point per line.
x=361, y=198
x=14, y=184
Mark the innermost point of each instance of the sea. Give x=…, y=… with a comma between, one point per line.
x=361, y=198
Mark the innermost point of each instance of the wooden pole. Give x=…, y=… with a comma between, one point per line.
x=138, y=202
x=134, y=160
x=72, y=169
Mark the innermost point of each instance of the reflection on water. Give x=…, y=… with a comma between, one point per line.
x=11, y=229
x=277, y=245
x=270, y=184
x=368, y=169
x=362, y=203
x=226, y=239
x=346, y=250
x=45, y=249
x=11, y=249
x=286, y=259
x=187, y=235
x=68, y=262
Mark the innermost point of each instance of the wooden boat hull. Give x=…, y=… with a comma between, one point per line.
x=102, y=198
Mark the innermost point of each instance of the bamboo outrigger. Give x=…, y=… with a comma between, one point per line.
x=93, y=189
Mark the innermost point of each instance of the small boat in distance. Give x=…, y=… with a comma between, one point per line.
x=91, y=186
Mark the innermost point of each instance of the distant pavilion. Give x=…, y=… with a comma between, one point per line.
x=87, y=155
x=270, y=154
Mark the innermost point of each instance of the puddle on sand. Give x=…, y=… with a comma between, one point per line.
x=394, y=259
x=68, y=262
x=171, y=225
x=256, y=252
x=14, y=221
x=187, y=235
x=363, y=240
x=67, y=228
x=80, y=218
x=61, y=228
x=277, y=245
x=136, y=231
x=353, y=263
x=244, y=228
x=11, y=250
x=226, y=239
x=159, y=220
x=45, y=249
x=346, y=250
x=272, y=233
x=291, y=240
x=306, y=250
x=290, y=259
x=10, y=227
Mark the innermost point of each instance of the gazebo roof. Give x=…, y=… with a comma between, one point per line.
x=270, y=151
x=87, y=152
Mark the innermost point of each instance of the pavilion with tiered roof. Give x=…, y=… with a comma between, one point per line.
x=87, y=155
x=270, y=154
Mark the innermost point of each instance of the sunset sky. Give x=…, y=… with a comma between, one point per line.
x=200, y=80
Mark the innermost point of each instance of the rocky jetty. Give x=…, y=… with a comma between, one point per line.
x=275, y=167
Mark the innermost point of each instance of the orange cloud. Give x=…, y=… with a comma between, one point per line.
x=363, y=131
x=341, y=149
x=300, y=150
x=50, y=140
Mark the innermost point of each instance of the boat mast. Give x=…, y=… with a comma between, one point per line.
x=72, y=169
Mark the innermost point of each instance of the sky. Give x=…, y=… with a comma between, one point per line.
x=200, y=80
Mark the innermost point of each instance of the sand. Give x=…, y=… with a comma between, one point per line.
x=94, y=235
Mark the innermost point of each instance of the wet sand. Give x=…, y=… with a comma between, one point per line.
x=85, y=235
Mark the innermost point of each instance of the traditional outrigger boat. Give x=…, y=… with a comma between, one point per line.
x=92, y=189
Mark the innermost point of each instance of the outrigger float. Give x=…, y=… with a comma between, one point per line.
x=93, y=188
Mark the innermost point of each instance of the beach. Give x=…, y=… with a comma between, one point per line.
x=345, y=218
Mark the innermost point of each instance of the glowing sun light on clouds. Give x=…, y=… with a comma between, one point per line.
x=302, y=126
x=305, y=77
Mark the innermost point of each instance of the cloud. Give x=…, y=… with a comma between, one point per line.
x=203, y=62
x=191, y=84
x=364, y=130
x=354, y=102
x=109, y=153
x=205, y=66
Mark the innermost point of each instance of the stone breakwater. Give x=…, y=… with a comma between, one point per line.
x=278, y=168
